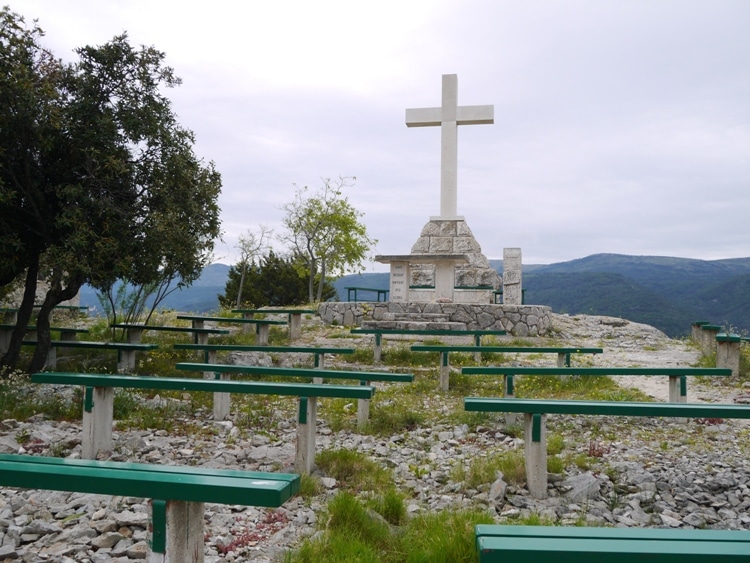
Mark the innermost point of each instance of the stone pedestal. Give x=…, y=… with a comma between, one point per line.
x=512, y=287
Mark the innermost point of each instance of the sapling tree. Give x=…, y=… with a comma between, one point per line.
x=325, y=229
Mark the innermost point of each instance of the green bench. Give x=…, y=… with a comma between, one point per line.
x=294, y=317
x=563, y=354
x=535, y=412
x=177, y=494
x=261, y=325
x=99, y=401
x=222, y=371
x=6, y=333
x=125, y=351
x=497, y=296
x=535, y=544
x=134, y=331
x=379, y=333
x=677, y=375
x=210, y=350
x=353, y=291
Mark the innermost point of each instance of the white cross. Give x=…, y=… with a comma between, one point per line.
x=449, y=116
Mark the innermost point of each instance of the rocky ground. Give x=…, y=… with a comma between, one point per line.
x=643, y=472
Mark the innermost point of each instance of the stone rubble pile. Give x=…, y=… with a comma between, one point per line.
x=645, y=476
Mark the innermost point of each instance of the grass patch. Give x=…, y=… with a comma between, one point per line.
x=353, y=533
x=595, y=388
x=483, y=471
x=353, y=470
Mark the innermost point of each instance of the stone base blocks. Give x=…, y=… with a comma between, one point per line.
x=518, y=320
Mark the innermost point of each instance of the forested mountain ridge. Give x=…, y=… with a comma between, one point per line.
x=665, y=292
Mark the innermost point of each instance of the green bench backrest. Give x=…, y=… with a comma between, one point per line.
x=511, y=370
x=122, y=479
x=616, y=408
x=208, y=385
x=298, y=372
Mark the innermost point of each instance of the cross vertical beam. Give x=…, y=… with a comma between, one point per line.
x=449, y=116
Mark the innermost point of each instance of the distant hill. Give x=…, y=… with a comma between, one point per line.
x=668, y=293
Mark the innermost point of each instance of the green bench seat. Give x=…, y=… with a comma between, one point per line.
x=99, y=401
x=177, y=493
x=294, y=317
x=261, y=325
x=536, y=410
x=677, y=375
x=379, y=333
x=318, y=374
x=537, y=544
x=563, y=354
x=125, y=351
x=210, y=350
x=135, y=331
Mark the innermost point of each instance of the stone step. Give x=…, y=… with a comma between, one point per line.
x=417, y=317
x=415, y=325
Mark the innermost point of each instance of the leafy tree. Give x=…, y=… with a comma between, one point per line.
x=98, y=181
x=326, y=231
x=275, y=281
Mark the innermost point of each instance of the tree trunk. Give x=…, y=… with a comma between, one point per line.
x=55, y=295
x=322, y=280
x=311, y=281
x=239, y=288
x=10, y=359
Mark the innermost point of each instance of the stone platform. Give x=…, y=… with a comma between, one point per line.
x=518, y=320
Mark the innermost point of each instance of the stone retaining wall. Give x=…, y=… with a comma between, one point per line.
x=518, y=320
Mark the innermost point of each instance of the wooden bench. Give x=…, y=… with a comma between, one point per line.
x=563, y=354
x=354, y=291
x=294, y=317
x=222, y=371
x=210, y=351
x=125, y=351
x=379, y=333
x=261, y=325
x=99, y=400
x=534, y=544
x=177, y=494
x=535, y=412
x=677, y=375
x=134, y=331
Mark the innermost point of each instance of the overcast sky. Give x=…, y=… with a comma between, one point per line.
x=620, y=127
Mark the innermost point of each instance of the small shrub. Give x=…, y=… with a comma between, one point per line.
x=484, y=470
x=555, y=444
x=390, y=505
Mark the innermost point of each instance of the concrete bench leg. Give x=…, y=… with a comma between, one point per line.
x=305, y=457
x=511, y=418
x=51, y=361
x=363, y=410
x=295, y=326
x=445, y=371
x=378, y=350
x=678, y=392
x=262, y=335
x=728, y=356
x=125, y=361
x=222, y=401
x=98, y=404
x=178, y=535
x=535, y=439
